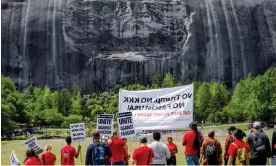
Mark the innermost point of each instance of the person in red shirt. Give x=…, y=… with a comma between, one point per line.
x=229, y=139
x=32, y=158
x=48, y=157
x=126, y=152
x=233, y=150
x=173, y=149
x=118, y=148
x=143, y=155
x=192, y=140
x=68, y=152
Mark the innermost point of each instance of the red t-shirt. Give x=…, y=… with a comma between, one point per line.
x=117, y=149
x=67, y=155
x=141, y=155
x=48, y=158
x=33, y=161
x=172, y=147
x=232, y=151
x=189, y=139
x=229, y=139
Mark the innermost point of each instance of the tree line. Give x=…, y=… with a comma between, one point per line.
x=253, y=98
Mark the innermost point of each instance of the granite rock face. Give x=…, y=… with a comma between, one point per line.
x=99, y=43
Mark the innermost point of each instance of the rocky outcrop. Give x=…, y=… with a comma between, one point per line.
x=100, y=43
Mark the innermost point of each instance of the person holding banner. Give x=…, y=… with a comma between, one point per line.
x=192, y=140
x=48, y=157
x=118, y=148
x=161, y=151
x=68, y=152
x=97, y=152
x=143, y=155
x=32, y=158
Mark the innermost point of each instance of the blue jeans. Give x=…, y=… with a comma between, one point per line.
x=118, y=163
x=192, y=160
x=273, y=160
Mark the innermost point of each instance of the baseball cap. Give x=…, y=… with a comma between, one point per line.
x=257, y=124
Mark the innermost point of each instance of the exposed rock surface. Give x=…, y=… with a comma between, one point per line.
x=99, y=43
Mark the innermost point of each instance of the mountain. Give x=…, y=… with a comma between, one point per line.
x=100, y=43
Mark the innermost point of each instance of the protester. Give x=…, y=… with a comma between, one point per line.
x=239, y=151
x=118, y=148
x=259, y=144
x=32, y=158
x=161, y=150
x=143, y=155
x=126, y=152
x=97, y=152
x=192, y=140
x=173, y=149
x=48, y=157
x=68, y=152
x=108, y=159
x=274, y=148
x=211, y=151
x=229, y=139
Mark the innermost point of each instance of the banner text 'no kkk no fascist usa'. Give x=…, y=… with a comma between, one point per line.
x=167, y=108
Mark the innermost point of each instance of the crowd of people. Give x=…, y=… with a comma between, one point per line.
x=255, y=150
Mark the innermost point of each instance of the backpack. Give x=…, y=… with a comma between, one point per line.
x=98, y=154
x=242, y=157
x=211, y=153
x=259, y=146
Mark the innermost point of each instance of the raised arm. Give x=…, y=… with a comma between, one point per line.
x=78, y=152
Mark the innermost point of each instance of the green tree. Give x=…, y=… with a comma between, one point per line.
x=63, y=101
x=12, y=111
x=71, y=119
x=156, y=80
x=219, y=96
x=202, y=100
x=237, y=107
x=76, y=107
x=168, y=81
x=97, y=110
x=53, y=118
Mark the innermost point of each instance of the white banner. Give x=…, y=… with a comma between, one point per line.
x=14, y=160
x=33, y=143
x=125, y=124
x=78, y=133
x=105, y=124
x=168, y=108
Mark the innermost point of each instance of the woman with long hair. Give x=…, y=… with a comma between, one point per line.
x=48, y=157
x=192, y=140
x=237, y=145
x=32, y=158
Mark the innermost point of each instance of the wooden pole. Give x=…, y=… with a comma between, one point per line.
x=80, y=154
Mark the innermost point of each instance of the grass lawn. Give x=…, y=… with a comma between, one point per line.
x=18, y=147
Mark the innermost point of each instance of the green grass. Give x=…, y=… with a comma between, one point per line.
x=18, y=147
